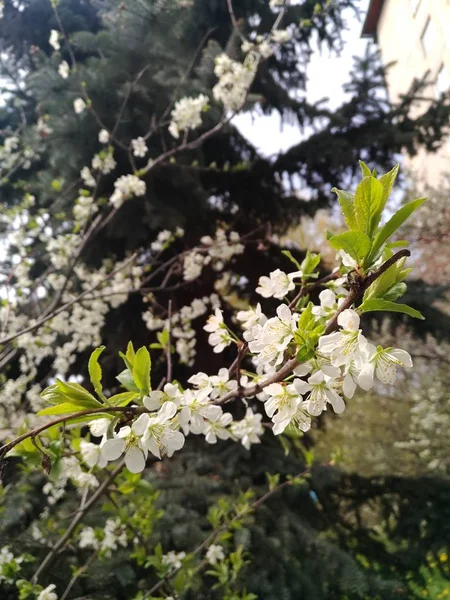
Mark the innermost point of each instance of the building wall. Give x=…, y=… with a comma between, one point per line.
x=401, y=38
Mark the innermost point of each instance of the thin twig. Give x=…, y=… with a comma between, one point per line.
x=168, y=350
x=213, y=535
x=78, y=517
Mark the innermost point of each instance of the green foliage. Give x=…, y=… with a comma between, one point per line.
x=307, y=334
x=378, y=304
x=365, y=240
x=95, y=372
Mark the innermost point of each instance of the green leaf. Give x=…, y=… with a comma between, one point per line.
x=62, y=409
x=307, y=319
x=369, y=205
x=309, y=264
x=95, y=371
x=346, y=200
x=355, y=243
x=163, y=337
x=53, y=395
x=398, y=244
x=365, y=171
x=126, y=379
x=377, y=304
x=292, y=259
x=76, y=394
x=394, y=223
x=387, y=181
x=396, y=291
x=123, y=398
x=141, y=370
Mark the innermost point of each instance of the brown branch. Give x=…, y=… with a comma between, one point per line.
x=168, y=352
x=134, y=410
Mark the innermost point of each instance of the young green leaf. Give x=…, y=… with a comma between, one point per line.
x=309, y=264
x=292, y=259
x=394, y=223
x=95, y=372
x=387, y=180
x=63, y=409
x=53, y=394
x=141, y=370
x=346, y=201
x=355, y=243
x=377, y=304
x=123, y=398
x=76, y=394
x=126, y=379
x=365, y=171
x=369, y=205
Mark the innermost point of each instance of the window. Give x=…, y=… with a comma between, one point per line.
x=414, y=6
x=442, y=83
x=427, y=38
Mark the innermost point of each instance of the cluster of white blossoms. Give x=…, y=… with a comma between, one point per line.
x=235, y=79
x=104, y=162
x=344, y=359
x=125, y=188
x=112, y=537
x=216, y=251
x=84, y=208
x=186, y=114
x=170, y=415
x=265, y=46
x=9, y=564
x=165, y=238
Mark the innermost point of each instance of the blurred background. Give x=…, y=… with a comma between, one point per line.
x=359, y=80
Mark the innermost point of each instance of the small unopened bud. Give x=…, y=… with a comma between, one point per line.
x=46, y=463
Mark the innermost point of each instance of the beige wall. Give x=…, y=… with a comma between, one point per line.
x=399, y=36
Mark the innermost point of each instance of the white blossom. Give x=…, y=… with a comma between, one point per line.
x=87, y=177
x=249, y=429
x=170, y=393
x=53, y=40
x=187, y=114
x=126, y=187
x=48, y=593
x=281, y=36
x=158, y=433
x=103, y=136
x=127, y=441
x=342, y=346
x=173, y=559
x=79, y=105
x=234, y=79
x=383, y=362
x=195, y=413
x=218, y=428
x=323, y=391
x=215, y=554
x=278, y=284
x=92, y=454
x=64, y=69
x=139, y=147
